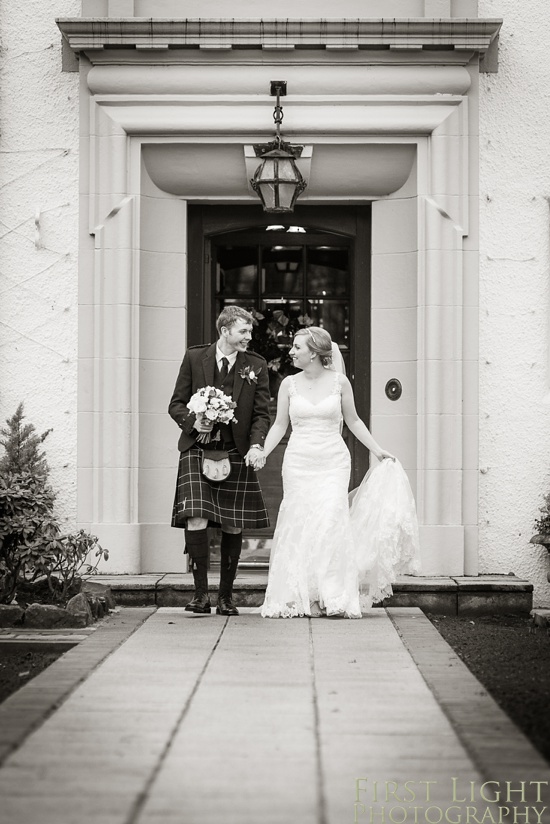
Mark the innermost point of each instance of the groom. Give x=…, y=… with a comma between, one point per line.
x=235, y=503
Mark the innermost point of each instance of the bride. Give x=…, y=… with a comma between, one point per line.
x=315, y=567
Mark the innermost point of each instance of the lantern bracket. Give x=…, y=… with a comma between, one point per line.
x=277, y=89
x=279, y=85
x=260, y=149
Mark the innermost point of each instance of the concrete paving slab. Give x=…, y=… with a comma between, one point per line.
x=202, y=719
x=79, y=811
x=32, y=704
x=123, y=763
x=263, y=748
x=355, y=713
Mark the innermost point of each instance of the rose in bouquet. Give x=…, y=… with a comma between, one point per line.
x=211, y=404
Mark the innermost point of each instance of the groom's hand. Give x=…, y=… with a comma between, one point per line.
x=202, y=424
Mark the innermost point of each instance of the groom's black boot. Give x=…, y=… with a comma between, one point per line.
x=230, y=554
x=196, y=542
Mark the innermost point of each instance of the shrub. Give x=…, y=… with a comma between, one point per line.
x=63, y=559
x=34, y=554
x=26, y=521
x=542, y=524
x=22, y=448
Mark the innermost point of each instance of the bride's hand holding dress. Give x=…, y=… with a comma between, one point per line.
x=356, y=425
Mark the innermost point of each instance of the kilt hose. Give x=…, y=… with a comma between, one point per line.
x=236, y=502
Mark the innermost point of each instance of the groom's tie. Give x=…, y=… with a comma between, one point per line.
x=224, y=370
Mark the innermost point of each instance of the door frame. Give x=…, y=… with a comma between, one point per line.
x=354, y=222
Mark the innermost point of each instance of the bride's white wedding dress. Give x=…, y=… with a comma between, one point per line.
x=318, y=560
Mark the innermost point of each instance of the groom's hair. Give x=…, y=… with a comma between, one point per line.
x=231, y=315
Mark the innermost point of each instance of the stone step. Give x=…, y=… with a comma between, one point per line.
x=467, y=595
x=42, y=639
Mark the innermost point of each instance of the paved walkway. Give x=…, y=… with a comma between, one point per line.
x=186, y=719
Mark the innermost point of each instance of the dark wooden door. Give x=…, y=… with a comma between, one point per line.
x=310, y=267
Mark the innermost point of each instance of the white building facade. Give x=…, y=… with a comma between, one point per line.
x=423, y=162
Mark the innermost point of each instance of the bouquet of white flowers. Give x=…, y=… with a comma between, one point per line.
x=213, y=405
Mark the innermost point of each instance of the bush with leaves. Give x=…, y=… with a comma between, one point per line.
x=63, y=559
x=542, y=524
x=34, y=554
x=22, y=453
x=26, y=522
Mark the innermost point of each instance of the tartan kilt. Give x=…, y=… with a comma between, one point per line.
x=237, y=501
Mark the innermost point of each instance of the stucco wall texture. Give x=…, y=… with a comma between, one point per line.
x=38, y=284
x=38, y=269
x=514, y=294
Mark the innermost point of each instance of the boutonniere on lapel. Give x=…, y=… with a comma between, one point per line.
x=248, y=374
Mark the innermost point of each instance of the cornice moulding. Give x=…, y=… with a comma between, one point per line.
x=89, y=34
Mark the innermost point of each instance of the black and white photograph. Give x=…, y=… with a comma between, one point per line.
x=274, y=412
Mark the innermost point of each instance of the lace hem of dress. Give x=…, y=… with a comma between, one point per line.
x=304, y=582
x=316, y=610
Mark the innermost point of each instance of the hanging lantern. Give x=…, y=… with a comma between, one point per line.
x=278, y=181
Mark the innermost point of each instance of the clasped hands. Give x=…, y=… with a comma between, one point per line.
x=255, y=458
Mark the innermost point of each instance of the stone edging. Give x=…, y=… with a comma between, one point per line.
x=92, y=603
x=496, y=746
x=29, y=707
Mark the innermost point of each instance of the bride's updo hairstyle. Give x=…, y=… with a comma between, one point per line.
x=319, y=342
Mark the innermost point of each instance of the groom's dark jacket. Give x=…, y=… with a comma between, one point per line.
x=251, y=396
